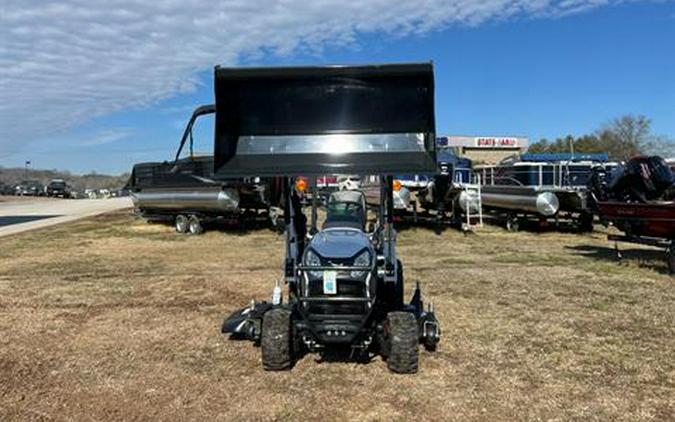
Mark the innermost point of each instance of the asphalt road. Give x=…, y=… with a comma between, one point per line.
x=21, y=215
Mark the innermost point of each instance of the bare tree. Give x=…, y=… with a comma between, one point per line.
x=626, y=136
x=662, y=146
x=622, y=138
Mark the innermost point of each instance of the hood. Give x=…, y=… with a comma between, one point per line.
x=339, y=243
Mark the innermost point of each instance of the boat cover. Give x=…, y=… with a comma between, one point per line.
x=555, y=157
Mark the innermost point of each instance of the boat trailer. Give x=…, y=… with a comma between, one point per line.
x=665, y=244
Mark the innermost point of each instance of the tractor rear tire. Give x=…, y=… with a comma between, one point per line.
x=403, y=342
x=671, y=259
x=276, y=340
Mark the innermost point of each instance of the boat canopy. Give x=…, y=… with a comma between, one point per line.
x=565, y=156
x=376, y=119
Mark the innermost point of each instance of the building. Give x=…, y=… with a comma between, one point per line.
x=485, y=149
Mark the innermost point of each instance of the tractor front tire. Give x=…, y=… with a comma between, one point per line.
x=403, y=342
x=276, y=340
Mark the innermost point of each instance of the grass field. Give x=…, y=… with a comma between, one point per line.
x=111, y=318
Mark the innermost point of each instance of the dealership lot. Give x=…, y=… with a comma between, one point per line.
x=112, y=318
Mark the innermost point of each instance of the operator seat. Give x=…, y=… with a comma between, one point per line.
x=346, y=209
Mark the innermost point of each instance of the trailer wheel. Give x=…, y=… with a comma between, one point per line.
x=585, y=222
x=276, y=340
x=671, y=259
x=181, y=223
x=194, y=225
x=277, y=224
x=402, y=339
x=512, y=224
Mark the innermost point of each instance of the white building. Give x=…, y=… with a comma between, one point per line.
x=485, y=149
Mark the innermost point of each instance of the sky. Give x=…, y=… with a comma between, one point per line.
x=90, y=87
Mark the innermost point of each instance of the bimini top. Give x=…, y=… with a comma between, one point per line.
x=324, y=120
x=565, y=156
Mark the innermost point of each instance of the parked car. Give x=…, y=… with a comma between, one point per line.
x=121, y=192
x=58, y=188
x=29, y=188
x=6, y=189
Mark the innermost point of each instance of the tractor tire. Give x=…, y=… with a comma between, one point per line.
x=403, y=342
x=181, y=223
x=671, y=259
x=195, y=226
x=276, y=340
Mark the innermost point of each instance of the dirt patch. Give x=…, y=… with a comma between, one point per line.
x=111, y=318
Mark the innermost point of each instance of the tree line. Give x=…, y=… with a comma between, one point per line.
x=622, y=138
x=10, y=176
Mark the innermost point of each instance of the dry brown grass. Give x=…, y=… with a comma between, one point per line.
x=111, y=318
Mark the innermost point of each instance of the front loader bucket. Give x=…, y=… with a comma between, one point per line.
x=323, y=120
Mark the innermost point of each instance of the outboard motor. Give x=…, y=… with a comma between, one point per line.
x=597, y=185
x=642, y=179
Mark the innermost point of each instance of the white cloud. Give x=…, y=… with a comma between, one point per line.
x=105, y=136
x=63, y=63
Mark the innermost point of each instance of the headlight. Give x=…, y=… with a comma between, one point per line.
x=313, y=260
x=363, y=260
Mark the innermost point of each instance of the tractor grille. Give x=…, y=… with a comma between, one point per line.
x=345, y=288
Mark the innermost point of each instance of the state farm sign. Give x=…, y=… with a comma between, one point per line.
x=494, y=142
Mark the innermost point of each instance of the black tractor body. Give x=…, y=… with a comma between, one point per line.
x=345, y=279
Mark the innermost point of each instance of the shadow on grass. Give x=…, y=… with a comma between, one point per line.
x=654, y=259
x=534, y=226
x=226, y=226
x=343, y=355
x=429, y=223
